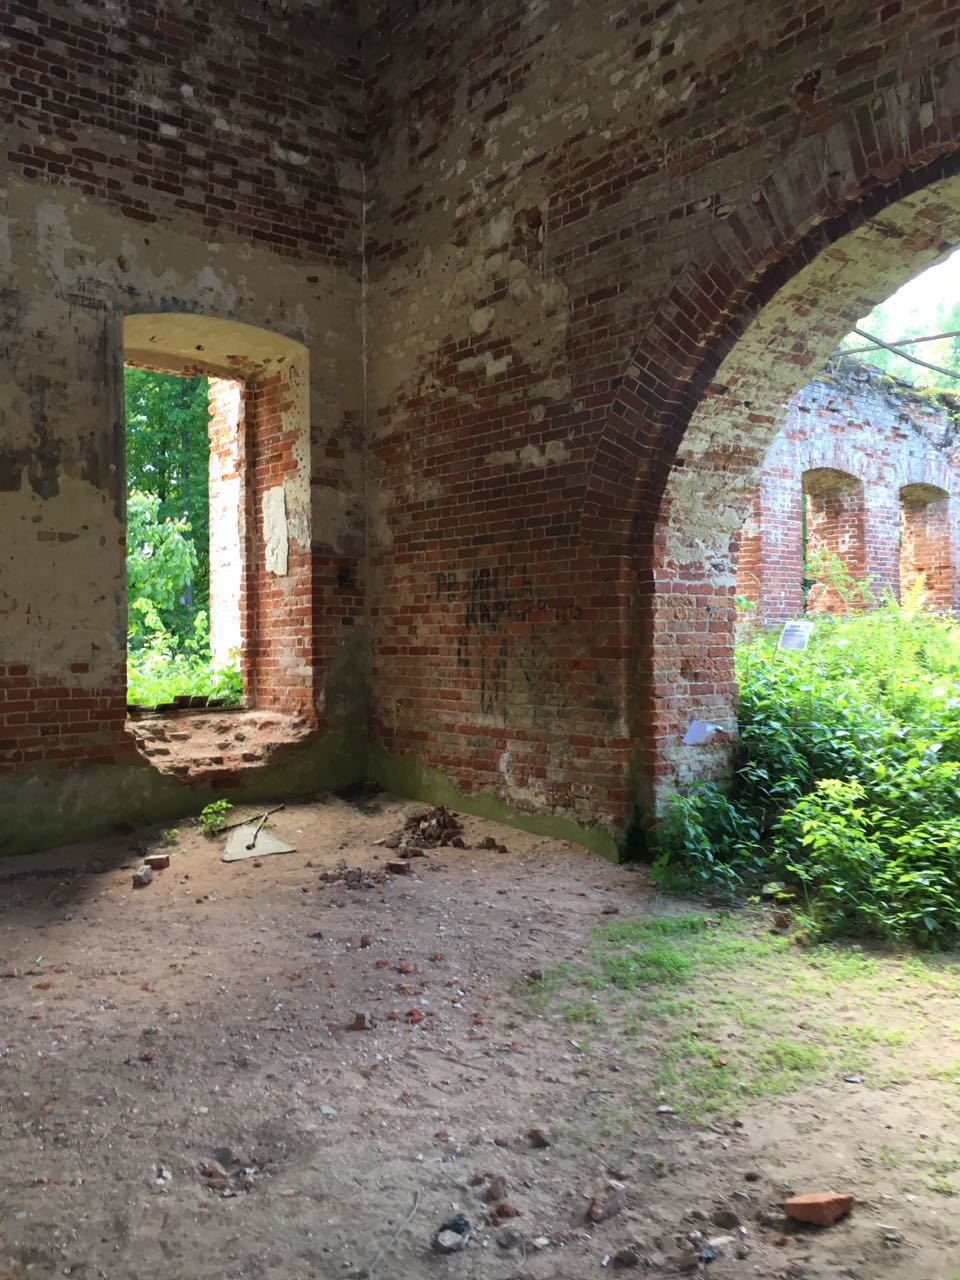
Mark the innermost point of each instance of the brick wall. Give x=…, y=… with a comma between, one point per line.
x=184, y=162
x=556, y=266
x=238, y=116
x=877, y=466
x=577, y=215
x=277, y=601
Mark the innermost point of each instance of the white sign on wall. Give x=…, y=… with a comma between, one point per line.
x=795, y=635
x=700, y=733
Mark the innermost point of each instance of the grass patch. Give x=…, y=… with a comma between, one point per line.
x=720, y=1013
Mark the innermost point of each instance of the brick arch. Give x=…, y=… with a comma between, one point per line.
x=927, y=473
x=826, y=453
x=786, y=276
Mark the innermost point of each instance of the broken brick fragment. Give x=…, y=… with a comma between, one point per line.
x=822, y=1208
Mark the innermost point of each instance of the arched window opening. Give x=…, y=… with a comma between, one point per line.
x=834, y=539
x=925, y=543
x=234, y=628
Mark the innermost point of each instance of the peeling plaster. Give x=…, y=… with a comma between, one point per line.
x=275, y=531
x=410, y=311
x=531, y=455
x=58, y=606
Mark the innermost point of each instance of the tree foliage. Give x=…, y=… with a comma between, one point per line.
x=928, y=304
x=161, y=564
x=168, y=458
x=168, y=558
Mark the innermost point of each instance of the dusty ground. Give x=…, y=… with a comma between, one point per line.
x=145, y=1031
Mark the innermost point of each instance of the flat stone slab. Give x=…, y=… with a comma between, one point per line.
x=263, y=846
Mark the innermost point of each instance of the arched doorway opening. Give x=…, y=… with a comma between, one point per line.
x=926, y=543
x=834, y=533
x=718, y=421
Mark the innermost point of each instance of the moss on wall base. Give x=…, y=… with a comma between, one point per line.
x=52, y=806
x=407, y=776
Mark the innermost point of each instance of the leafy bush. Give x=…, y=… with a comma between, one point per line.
x=165, y=667
x=825, y=568
x=213, y=817
x=166, y=656
x=848, y=779
x=707, y=842
x=161, y=559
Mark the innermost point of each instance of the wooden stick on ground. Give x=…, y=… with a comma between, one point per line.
x=242, y=822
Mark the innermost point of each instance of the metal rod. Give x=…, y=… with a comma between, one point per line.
x=948, y=373
x=901, y=342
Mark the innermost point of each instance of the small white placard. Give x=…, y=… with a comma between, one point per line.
x=700, y=733
x=795, y=635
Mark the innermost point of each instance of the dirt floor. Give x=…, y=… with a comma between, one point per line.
x=182, y=1095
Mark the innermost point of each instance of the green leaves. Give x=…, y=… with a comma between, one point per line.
x=161, y=561
x=168, y=458
x=848, y=781
x=167, y=534
x=166, y=667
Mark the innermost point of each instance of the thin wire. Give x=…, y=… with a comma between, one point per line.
x=887, y=346
x=904, y=342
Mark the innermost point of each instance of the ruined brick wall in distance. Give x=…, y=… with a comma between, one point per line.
x=879, y=466
x=927, y=545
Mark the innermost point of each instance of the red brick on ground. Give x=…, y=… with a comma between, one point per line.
x=822, y=1208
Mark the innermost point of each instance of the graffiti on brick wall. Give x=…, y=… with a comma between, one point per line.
x=510, y=670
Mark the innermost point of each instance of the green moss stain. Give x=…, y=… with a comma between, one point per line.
x=407, y=776
x=55, y=806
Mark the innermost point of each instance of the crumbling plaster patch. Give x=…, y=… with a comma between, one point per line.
x=52, y=590
x=411, y=314
x=71, y=247
x=531, y=455
x=275, y=531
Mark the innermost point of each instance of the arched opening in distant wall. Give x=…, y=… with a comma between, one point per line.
x=834, y=537
x=926, y=544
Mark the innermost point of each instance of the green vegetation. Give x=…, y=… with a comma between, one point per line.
x=213, y=817
x=714, y=1013
x=163, y=667
x=925, y=305
x=848, y=780
x=168, y=561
